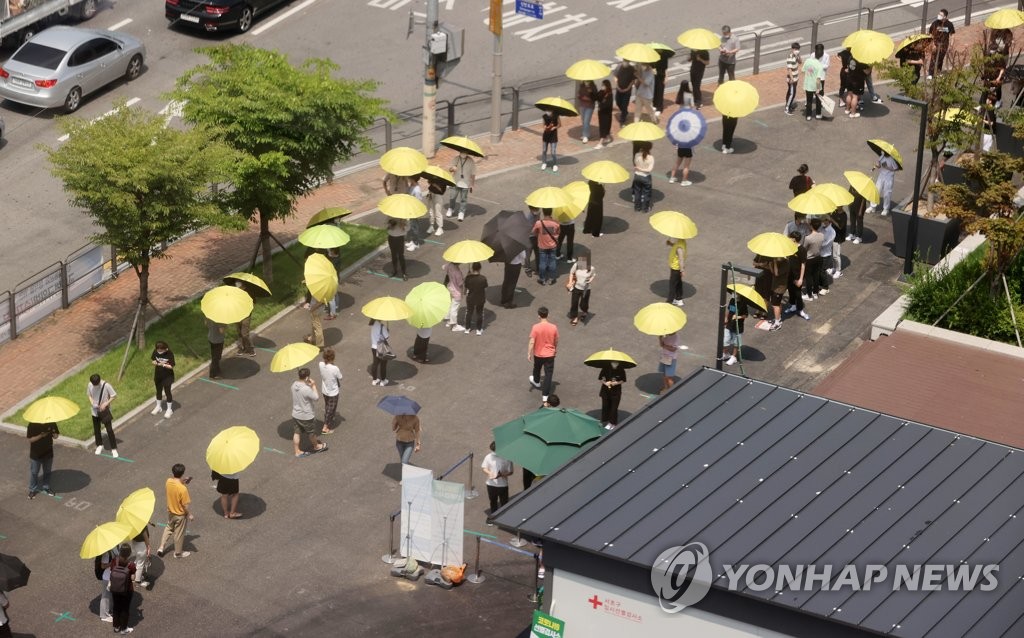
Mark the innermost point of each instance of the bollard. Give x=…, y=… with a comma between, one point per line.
x=477, y=576
x=533, y=597
x=517, y=541
x=389, y=558
x=65, y=302
x=471, y=493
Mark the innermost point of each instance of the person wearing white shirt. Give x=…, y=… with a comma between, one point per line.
x=497, y=470
x=330, y=387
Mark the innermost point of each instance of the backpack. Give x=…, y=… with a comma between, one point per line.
x=120, y=577
x=98, y=567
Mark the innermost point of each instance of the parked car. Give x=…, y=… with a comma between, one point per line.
x=216, y=15
x=61, y=65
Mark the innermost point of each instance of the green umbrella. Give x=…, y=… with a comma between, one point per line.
x=563, y=425
x=430, y=302
x=521, y=440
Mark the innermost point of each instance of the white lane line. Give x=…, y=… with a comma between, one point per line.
x=134, y=100
x=284, y=16
x=122, y=23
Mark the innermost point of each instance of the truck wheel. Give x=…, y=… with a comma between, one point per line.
x=87, y=9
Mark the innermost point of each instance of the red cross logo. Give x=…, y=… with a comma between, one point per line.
x=595, y=601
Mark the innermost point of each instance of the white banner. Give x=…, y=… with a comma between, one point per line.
x=417, y=507
x=449, y=508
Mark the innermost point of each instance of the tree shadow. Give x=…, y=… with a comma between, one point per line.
x=249, y=506
x=63, y=480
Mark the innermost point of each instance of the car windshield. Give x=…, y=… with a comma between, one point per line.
x=39, y=55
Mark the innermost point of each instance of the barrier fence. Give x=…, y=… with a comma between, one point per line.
x=59, y=284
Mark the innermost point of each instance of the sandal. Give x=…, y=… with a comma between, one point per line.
x=320, y=448
x=235, y=515
x=326, y=431
x=574, y=322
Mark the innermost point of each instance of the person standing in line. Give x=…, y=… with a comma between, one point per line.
x=304, y=398
x=799, y=225
x=414, y=236
x=677, y=267
x=645, y=95
x=669, y=348
x=245, y=346
x=140, y=547
x=393, y=184
x=801, y=182
x=625, y=80
x=838, y=223
x=122, y=573
x=40, y=456
x=814, y=75
x=736, y=312
x=546, y=231
x=812, y=274
x=699, y=60
x=857, y=208
x=334, y=256
x=435, y=207
x=605, y=102
x=581, y=278
x=532, y=215
x=612, y=376
x=497, y=470
x=828, y=233
x=549, y=140
x=942, y=31
x=330, y=387
x=594, y=221
x=792, y=77
x=455, y=281
x=421, y=344
x=379, y=365
x=779, y=269
x=316, y=327
x=396, y=242
x=887, y=168
x=826, y=60
x=797, y=273
x=463, y=169
x=101, y=394
x=408, y=433
x=855, y=78
x=684, y=156
x=541, y=350
x=660, y=71
x=643, y=166
x=215, y=335
x=587, y=97
x=727, y=54
x=163, y=378
x=510, y=279
x=684, y=96
x=476, y=287
x=228, y=488
x=567, y=236
x=106, y=599
x=728, y=131
x=5, y=620
x=179, y=512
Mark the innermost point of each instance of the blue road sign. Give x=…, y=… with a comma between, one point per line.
x=530, y=9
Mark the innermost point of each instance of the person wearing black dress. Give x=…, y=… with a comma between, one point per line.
x=605, y=103
x=612, y=377
x=595, y=210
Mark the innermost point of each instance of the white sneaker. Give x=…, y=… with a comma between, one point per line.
x=458, y=328
x=543, y=166
x=838, y=275
x=430, y=230
x=790, y=309
x=168, y=413
x=114, y=454
x=849, y=238
x=479, y=332
x=384, y=382
x=685, y=182
x=678, y=302
x=830, y=270
x=439, y=232
x=585, y=140
x=730, y=361
x=823, y=291
x=157, y=409
x=533, y=383
x=554, y=168
x=375, y=382
x=449, y=213
x=806, y=297
x=884, y=213
x=725, y=150
x=107, y=618
x=804, y=315
x=461, y=216
x=600, y=145
x=99, y=450
x=672, y=180
x=856, y=240
x=411, y=248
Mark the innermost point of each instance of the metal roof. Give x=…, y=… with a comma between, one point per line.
x=767, y=475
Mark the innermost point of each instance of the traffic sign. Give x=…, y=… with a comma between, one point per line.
x=530, y=9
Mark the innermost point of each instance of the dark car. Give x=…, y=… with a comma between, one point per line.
x=216, y=15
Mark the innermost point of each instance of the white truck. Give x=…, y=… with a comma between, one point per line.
x=21, y=19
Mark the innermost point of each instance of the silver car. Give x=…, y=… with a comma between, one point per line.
x=60, y=65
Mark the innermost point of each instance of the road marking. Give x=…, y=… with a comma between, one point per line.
x=266, y=349
x=118, y=458
x=434, y=241
x=2, y=537
x=133, y=101
x=381, y=274
x=223, y=385
x=270, y=449
x=122, y=23
x=63, y=616
x=284, y=16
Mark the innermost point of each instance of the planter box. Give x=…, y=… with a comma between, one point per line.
x=1006, y=142
x=935, y=237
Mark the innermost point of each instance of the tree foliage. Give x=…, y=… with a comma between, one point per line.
x=290, y=124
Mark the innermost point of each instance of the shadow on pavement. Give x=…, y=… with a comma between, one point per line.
x=249, y=506
x=752, y=354
x=400, y=370
x=614, y=225
x=660, y=288
x=332, y=336
x=238, y=367
x=393, y=471
x=436, y=354
x=626, y=195
x=649, y=383
x=263, y=342
x=623, y=414
x=740, y=146
x=63, y=481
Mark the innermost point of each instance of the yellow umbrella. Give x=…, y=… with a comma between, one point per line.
x=917, y=37
x=463, y=144
x=403, y=161
x=700, y=39
x=402, y=206
x=812, y=203
x=226, y=304
x=557, y=105
x=104, y=538
x=880, y=146
x=772, y=245
x=232, y=450
x=429, y=302
x=856, y=36
x=864, y=185
x=51, y=410
x=600, y=359
x=467, y=251
x=637, y=52
x=872, y=47
x=957, y=115
x=327, y=214
x=257, y=285
x=588, y=70
x=1005, y=19
x=659, y=319
x=324, y=236
x=321, y=278
x=605, y=172
x=673, y=224
x=579, y=192
x=387, y=309
x=751, y=294
x=293, y=355
x=736, y=98
x=438, y=174
x=136, y=509
x=839, y=195
x=548, y=197
x=642, y=132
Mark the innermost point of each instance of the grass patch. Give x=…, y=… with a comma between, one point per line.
x=184, y=328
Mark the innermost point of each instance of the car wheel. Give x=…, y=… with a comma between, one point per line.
x=73, y=100
x=245, y=20
x=134, y=68
x=87, y=9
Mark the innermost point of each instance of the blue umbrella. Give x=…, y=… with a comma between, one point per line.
x=396, y=404
x=686, y=128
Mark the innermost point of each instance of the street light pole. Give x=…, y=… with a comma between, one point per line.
x=495, y=27
x=429, y=83
x=908, y=257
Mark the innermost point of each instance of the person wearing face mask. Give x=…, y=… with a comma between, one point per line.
x=463, y=169
x=612, y=377
x=942, y=31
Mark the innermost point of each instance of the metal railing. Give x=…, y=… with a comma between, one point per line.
x=59, y=284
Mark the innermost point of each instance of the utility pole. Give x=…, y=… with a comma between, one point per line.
x=495, y=26
x=429, y=82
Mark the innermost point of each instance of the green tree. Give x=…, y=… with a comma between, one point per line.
x=289, y=124
x=142, y=183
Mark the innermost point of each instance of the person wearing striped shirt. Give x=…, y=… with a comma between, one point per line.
x=792, y=76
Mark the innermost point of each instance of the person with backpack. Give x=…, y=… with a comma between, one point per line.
x=122, y=572
x=101, y=565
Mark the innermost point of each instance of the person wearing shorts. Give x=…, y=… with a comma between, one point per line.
x=669, y=349
x=304, y=398
x=683, y=157
x=227, y=487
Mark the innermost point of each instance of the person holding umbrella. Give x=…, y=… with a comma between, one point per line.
x=549, y=140
x=463, y=169
x=887, y=167
x=587, y=96
x=612, y=376
x=405, y=425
